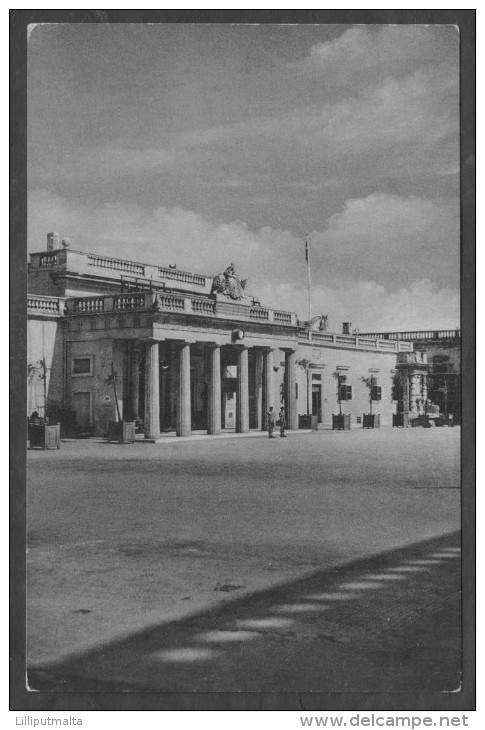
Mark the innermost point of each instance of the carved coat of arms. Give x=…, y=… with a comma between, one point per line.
x=229, y=284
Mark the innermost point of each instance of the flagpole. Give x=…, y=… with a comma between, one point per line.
x=307, y=256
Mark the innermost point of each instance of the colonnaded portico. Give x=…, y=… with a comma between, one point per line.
x=177, y=374
x=186, y=386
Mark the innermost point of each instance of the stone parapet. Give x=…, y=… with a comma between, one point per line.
x=208, y=306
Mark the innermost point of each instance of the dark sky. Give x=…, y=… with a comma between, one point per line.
x=205, y=144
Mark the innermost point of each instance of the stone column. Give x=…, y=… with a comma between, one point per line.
x=152, y=389
x=258, y=388
x=291, y=402
x=184, y=420
x=163, y=386
x=242, y=404
x=133, y=380
x=267, y=384
x=214, y=399
x=172, y=385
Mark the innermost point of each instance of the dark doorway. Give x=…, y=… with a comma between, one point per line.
x=81, y=405
x=317, y=402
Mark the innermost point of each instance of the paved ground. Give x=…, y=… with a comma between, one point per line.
x=300, y=554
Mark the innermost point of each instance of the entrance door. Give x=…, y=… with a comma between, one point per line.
x=81, y=405
x=229, y=420
x=317, y=402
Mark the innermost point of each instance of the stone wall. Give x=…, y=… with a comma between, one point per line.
x=102, y=402
x=354, y=364
x=44, y=341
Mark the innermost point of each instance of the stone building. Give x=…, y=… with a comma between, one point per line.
x=442, y=349
x=189, y=351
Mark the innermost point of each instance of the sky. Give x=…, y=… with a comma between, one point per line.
x=200, y=145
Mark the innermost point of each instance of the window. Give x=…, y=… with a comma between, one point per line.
x=82, y=365
x=345, y=392
x=376, y=392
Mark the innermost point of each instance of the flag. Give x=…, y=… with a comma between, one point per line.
x=307, y=252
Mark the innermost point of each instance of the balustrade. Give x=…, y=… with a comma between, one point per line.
x=203, y=306
x=104, y=262
x=282, y=317
x=171, y=302
x=164, y=301
x=43, y=304
x=386, y=345
x=322, y=337
x=129, y=301
x=259, y=313
x=416, y=335
x=346, y=339
x=184, y=276
x=48, y=259
x=88, y=305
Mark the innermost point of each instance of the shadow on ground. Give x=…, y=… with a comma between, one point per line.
x=391, y=623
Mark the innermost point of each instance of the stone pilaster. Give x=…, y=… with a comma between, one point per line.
x=172, y=386
x=214, y=399
x=258, y=388
x=184, y=420
x=133, y=380
x=152, y=390
x=242, y=404
x=291, y=401
x=267, y=384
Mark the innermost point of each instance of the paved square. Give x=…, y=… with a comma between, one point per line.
x=121, y=538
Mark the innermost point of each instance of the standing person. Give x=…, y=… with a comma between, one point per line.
x=282, y=422
x=270, y=421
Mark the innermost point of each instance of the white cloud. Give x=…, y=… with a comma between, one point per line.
x=366, y=265
x=161, y=236
x=393, y=240
x=373, y=307
x=363, y=53
x=406, y=125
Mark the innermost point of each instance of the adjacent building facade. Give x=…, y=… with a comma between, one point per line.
x=442, y=349
x=181, y=351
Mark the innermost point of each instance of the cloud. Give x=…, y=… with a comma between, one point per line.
x=364, y=54
x=367, y=264
x=163, y=235
x=387, y=126
x=393, y=240
x=372, y=307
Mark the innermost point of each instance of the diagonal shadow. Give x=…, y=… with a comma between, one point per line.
x=387, y=623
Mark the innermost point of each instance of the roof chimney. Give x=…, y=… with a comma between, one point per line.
x=52, y=241
x=346, y=328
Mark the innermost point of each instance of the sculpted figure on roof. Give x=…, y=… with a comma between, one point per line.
x=229, y=284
